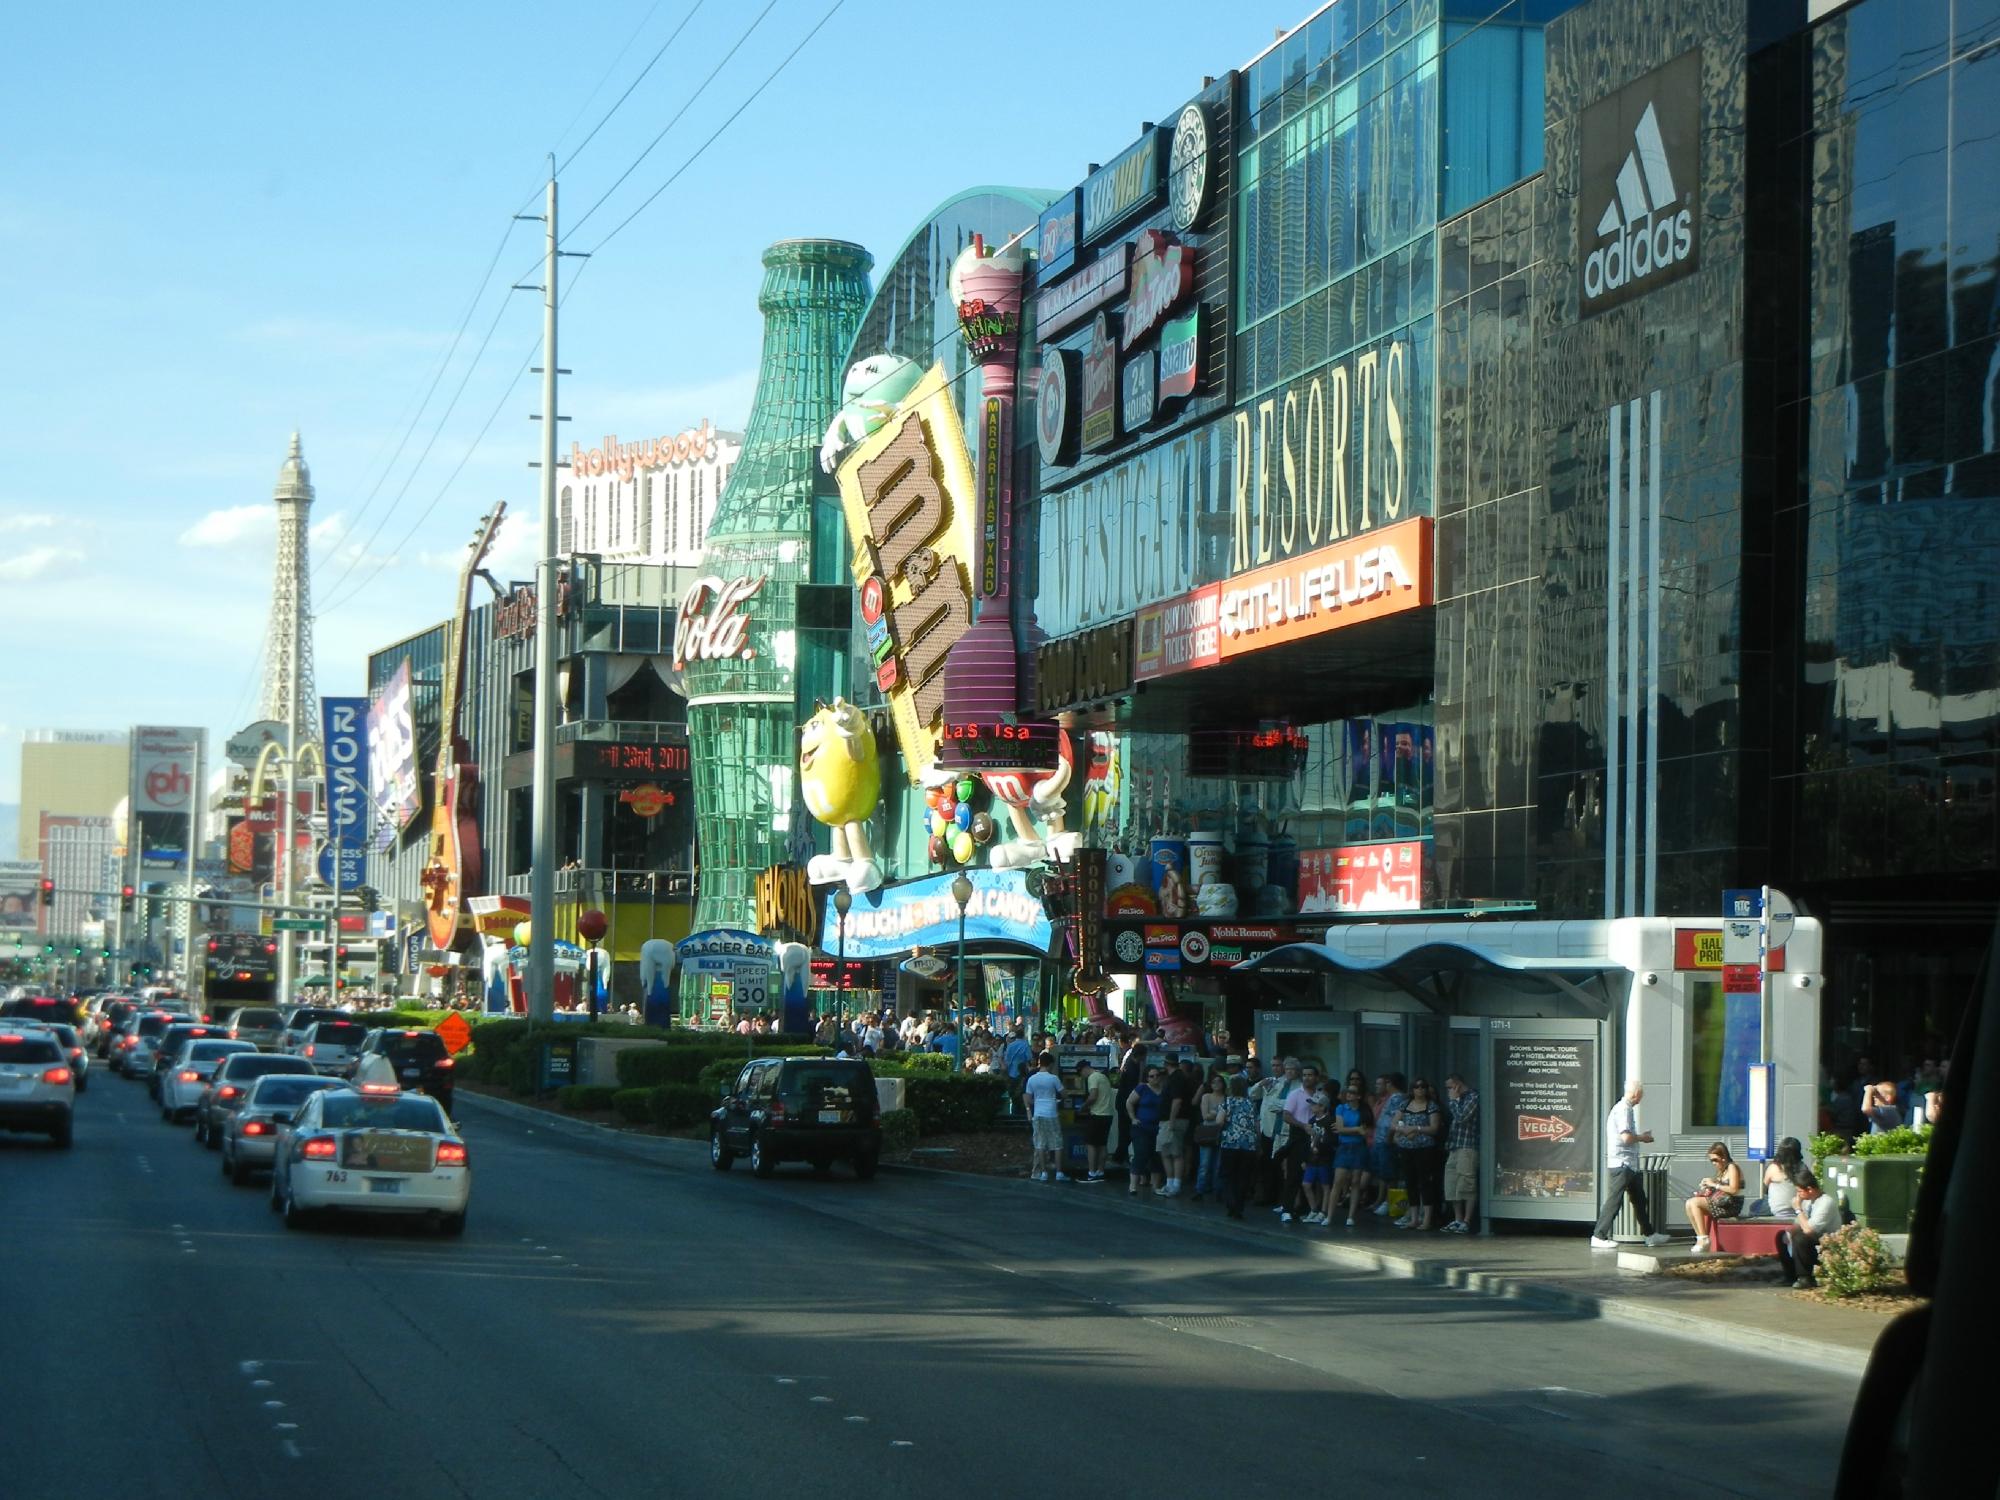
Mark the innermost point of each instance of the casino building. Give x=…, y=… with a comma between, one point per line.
x=1503, y=478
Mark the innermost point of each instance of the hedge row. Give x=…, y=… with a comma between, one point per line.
x=899, y=1131
x=500, y=1052
x=649, y=1067
x=585, y=1096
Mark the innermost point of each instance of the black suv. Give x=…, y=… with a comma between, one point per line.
x=798, y=1109
x=419, y=1057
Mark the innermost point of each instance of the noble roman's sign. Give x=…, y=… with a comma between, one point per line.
x=786, y=908
x=1639, y=185
x=1114, y=192
x=910, y=499
x=1324, y=458
x=1071, y=301
x=1100, y=388
x=714, y=621
x=1084, y=668
x=1380, y=573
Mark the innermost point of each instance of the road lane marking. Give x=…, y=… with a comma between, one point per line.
x=291, y=1449
x=857, y=1419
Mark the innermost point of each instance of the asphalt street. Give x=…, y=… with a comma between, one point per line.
x=613, y=1328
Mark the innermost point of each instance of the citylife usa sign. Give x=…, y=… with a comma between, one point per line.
x=1324, y=458
x=911, y=500
x=714, y=621
x=1382, y=573
x=896, y=919
x=695, y=445
x=1639, y=180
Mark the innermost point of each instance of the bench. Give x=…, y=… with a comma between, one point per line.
x=1745, y=1236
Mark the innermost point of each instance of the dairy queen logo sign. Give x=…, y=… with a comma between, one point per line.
x=714, y=621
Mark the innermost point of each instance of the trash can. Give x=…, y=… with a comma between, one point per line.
x=1653, y=1183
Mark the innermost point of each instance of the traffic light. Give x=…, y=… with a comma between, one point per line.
x=77, y=951
x=125, y=895
x=371, y=899
x=105, y=955
x=48, y=892
x=49, y=950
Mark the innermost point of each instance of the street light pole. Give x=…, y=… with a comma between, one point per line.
x=843, y=902
x=961, y=892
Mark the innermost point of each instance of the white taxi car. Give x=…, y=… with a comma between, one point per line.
x=371, y=1149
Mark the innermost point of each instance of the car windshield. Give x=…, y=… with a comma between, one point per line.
x=19, y=1048
x=424, y=1046
x=404, y=1112
x=281, y=1092
x=339, y=1034
x=814, y=1078
x=265, y=1018
x=152, y=1025
x=65, y=1034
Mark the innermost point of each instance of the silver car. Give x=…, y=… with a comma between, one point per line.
x=228, y=1085
x=260, y=1024
x=187, y=1074
x=331, y=1046
x=37, y=1084
x=250, y=1134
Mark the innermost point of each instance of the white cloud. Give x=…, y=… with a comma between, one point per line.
x=658, y=411
x=33, y=522
x=230, y=525
x=37, y=561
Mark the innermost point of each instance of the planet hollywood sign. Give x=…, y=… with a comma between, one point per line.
x=695, y=445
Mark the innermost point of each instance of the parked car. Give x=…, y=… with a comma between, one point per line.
x=186, y=1075
x=815, y=1109
x=261, y=1024
x=248, y=1135
x=387, y=1153
x=331, y=1046
x=228, y=1085
x=37, y=1084
x=418, y=1057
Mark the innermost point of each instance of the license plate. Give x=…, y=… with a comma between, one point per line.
x=831, y=1116
x=334, y=1174
x=385, y=1185
x=413, y=1072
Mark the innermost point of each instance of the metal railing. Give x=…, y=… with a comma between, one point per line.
x=626, y=731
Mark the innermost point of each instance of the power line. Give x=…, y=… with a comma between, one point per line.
x=700, y=89
x=672, y=37
x=605, y=77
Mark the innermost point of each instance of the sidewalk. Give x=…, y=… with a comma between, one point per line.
x=1619, y=1287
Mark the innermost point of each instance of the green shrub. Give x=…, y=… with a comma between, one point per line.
x=585, y=1096
x=633, y=1106
x=899, y=1131
x=1853, y=1260
x=716, y=1074
x=1902, y=1141
x=1823, y=1147
x=678, y=1104
x=686, y=1062
x=949, y=1105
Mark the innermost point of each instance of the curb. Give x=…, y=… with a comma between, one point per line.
x=1785, y=1348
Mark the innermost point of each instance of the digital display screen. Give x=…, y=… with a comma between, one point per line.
x=995, y=745
x=1271, y=752
x=639, y=760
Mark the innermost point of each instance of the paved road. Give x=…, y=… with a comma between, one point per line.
x=609, y=1328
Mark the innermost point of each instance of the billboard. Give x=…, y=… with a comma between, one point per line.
x=1546, y=1130
x=20, y=895
x=344, y=740
x=163, y=768
x=392, y=753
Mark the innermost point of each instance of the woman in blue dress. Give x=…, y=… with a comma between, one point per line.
x=1142, y=1108
x=1353, y=1130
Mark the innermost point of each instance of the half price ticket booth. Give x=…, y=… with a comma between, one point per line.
x=1547, y=1020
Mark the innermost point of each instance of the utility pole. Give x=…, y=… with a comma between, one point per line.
x=542, y=866
x=188, y=974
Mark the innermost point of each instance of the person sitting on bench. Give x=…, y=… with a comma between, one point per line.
x=1798, y=1245
x=1720, y=1195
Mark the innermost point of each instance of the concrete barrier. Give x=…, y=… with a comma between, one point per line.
x=889, y=1093
x=597, y=1061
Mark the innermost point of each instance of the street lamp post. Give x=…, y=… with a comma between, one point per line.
x=961, y=892
x=843, y=902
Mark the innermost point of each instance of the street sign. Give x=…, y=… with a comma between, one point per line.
x=454, y=1033
x=297, y=924
x=353, y=867
x=1780, y=917
x=1742, y=941
x=1742, y=901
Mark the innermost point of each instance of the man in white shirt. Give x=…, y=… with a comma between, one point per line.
x=1043, y=1092
x=1622, y=1140
x=1798, y=1244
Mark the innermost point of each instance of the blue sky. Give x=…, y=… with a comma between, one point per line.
x=224, y=221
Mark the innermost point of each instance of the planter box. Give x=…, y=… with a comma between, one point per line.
x=1880, y=1191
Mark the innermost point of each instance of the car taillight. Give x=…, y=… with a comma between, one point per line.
x=451, y=1154
x=227, y=1091
x=188, y=1075
x=256, y=1127
x=442, y=1062
x=776, y=1112
x=309, y=1049
x=319, y=1148
x=57, y=1075
x=75, y=1053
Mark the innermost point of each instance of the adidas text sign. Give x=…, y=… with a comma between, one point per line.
x=1639, y=184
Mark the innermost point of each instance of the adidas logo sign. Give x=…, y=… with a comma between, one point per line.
x=1645, y=233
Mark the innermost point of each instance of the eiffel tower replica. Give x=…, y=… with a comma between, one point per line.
x=291, y=604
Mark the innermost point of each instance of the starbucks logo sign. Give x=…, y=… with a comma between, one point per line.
x=1130, y=947
x=1187, y=168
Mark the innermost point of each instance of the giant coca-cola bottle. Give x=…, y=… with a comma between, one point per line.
x=736, y=645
